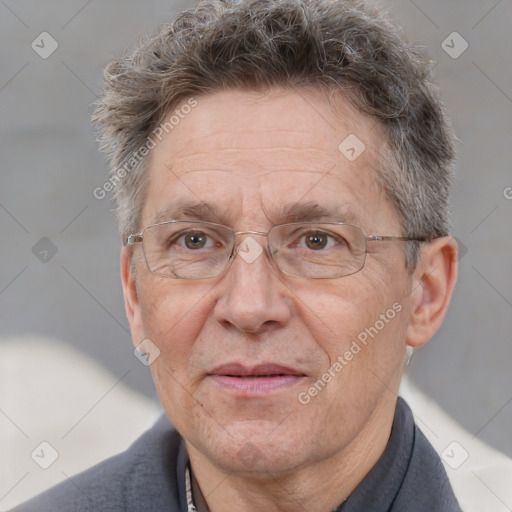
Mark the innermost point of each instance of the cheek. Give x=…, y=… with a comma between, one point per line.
x=337, y=312
x=364, y=353
x=173, y=315
x=362, y=324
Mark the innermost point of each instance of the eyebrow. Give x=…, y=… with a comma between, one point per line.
x=312, y=211
x=287, y=213
x=191, y=210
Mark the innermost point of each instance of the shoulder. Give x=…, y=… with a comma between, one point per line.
x=143, y=478
x=425, y=487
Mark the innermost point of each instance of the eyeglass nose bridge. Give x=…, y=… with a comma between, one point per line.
x=251, y=233
x=270, y=252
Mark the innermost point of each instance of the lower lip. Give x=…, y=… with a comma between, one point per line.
x=256, y=385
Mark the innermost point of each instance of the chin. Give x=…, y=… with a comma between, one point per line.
x=256, y=449
x=259, y=461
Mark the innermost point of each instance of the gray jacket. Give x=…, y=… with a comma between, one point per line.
x=150, y=477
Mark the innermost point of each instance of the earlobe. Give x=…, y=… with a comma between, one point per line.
x=433, y=283
x=131, y=297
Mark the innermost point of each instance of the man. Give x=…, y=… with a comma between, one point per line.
x=281, y=171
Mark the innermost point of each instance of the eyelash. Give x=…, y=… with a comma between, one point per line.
x=181, y=236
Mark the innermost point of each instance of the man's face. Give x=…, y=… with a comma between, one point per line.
x=248, y=156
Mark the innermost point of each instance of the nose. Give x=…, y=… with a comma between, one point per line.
x=253, y=297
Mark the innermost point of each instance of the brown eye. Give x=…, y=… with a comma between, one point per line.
x=316, y=241
x=195, y=240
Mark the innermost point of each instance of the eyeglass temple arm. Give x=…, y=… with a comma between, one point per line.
x=133, y=239
x=379, y=238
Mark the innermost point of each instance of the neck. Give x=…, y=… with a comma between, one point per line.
x=320, y=487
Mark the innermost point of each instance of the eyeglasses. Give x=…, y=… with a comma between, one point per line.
x=199, y=250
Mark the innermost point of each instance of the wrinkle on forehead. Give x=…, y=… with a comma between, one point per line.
x=276, y=196
x=238, y=160
x=251, y=159
x=237, y=172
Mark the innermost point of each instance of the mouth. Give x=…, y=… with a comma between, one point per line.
x=255, y=380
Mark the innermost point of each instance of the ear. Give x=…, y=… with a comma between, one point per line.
x=433, y=283
x=131, y=297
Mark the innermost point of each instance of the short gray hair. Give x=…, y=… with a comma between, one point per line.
x=254, y=45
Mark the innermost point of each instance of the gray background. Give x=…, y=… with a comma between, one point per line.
x=50, y=166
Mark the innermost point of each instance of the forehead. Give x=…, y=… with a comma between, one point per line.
x=239, y=155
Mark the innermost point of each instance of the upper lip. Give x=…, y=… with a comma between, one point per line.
x=242, y=370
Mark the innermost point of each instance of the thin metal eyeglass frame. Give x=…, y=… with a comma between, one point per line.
x=136, y=238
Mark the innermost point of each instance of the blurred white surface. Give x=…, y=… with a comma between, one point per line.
x=480, y=475
x=51, y=393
